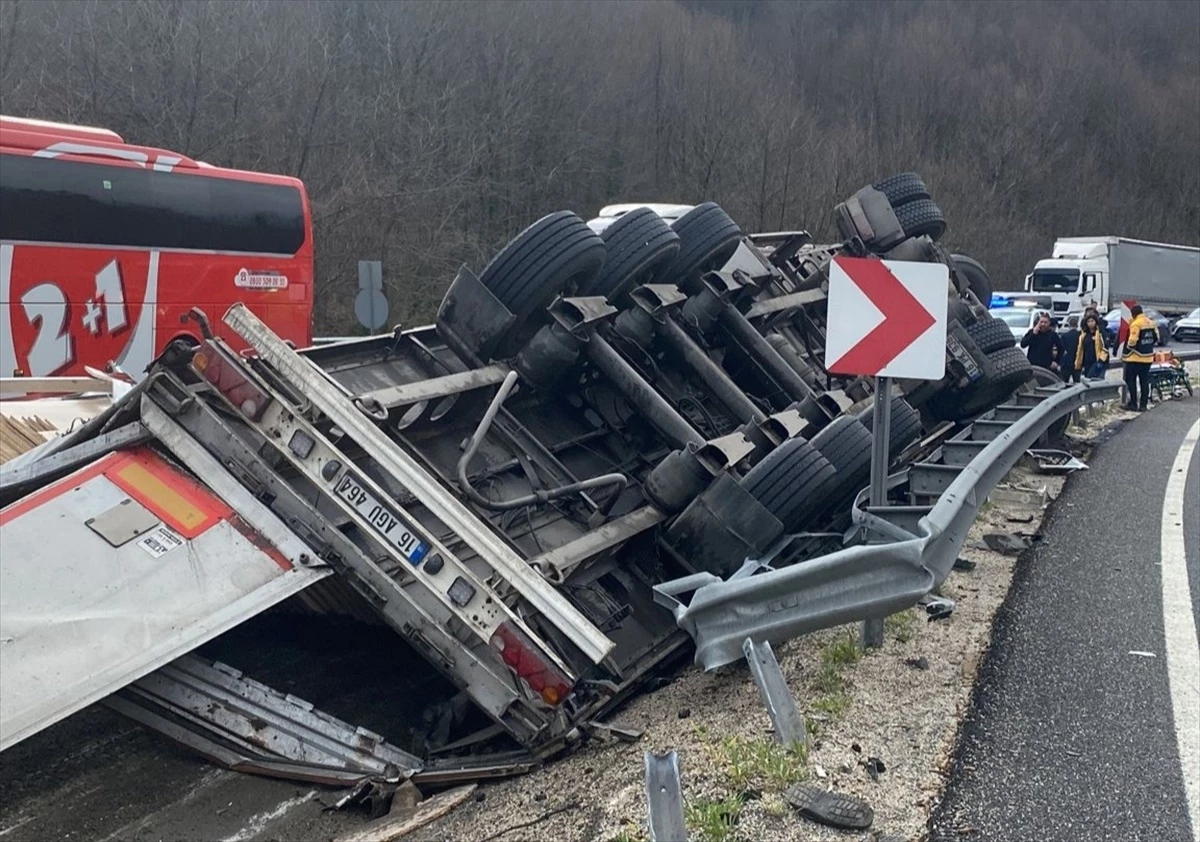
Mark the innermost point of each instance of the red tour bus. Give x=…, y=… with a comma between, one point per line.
x=104, y=248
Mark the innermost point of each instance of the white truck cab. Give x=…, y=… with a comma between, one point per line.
x=1105, y=271
x=1076, y=276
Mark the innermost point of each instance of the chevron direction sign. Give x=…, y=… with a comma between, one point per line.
x=887, y=318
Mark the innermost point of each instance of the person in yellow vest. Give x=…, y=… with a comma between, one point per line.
x=1091, y=352
x=1139, y=354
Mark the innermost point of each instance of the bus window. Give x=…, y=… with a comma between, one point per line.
x=47, y=200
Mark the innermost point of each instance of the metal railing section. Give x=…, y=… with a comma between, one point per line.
x=895, y=568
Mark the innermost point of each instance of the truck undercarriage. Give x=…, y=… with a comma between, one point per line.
x=591, y=416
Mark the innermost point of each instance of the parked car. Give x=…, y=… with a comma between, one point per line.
x=1113, y=317
x=1187, y=329
x=1018, y=319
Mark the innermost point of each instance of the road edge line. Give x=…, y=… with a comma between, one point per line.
x=1179, y=628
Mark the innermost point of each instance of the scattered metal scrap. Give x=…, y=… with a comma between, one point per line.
x=249, y=727
x=1056, y=462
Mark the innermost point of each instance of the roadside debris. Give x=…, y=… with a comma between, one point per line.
x=619, y=732
x=398, y=826
x=835, y=809
x=1007, y=543
x=1056, y=462
x=875, y=767
x=920, y=662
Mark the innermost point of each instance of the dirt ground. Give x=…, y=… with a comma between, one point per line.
x=901, y=704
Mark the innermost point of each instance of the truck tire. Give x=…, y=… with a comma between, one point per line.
x=976, y=277
x=902, y=188
x=554, y=253
x=847, y=445
x=639, y=246
x=904, y=427
x=789, y=481
x=922, y=217
x=991, y=334
x=1009, y=371
x=707, y=239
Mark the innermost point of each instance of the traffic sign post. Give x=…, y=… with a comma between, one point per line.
x=887, y=318
x=370, y=304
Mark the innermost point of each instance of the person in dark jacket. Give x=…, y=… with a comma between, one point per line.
x=1091, y=352
x=1070, y=342
x=1043, y=343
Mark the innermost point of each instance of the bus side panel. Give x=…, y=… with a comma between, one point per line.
x=276, y=289
x=69, y=307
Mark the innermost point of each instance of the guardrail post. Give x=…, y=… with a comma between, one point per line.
x=664, y=798
x=789, y=724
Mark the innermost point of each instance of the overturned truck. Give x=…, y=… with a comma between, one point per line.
x=592, y=415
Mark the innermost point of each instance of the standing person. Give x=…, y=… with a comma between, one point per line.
x=1139, y=354
x=1091, y=352
x=1043, y=343
x=1069, y=369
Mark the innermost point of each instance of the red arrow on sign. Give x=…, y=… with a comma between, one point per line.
x=904, y=318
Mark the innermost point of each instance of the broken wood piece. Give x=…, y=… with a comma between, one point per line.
x=396, y=827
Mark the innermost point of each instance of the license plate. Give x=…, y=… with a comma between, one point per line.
x=384, y=522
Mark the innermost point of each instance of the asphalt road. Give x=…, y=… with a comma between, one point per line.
x=98, y=776
x=1070, y=736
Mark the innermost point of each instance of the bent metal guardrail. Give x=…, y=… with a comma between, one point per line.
x=900, y=563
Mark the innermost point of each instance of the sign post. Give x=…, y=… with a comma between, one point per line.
x=887, y=318
x=370, y=304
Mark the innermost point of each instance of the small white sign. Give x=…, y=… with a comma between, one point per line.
x=159, y=541
x=246, y=279
x=887, y=318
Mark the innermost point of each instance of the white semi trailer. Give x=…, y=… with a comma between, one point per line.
x=1109, y=270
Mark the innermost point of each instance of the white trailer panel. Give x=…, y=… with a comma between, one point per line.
x=112, y=572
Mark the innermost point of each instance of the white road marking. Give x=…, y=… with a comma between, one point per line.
x=13, y=827
x=1179, y=625
x=256, y=824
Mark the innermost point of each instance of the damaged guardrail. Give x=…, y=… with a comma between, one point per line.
x=890, y=572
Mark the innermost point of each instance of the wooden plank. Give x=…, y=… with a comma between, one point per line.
x=53, y=385
x=394, y=827
x=19, y=435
